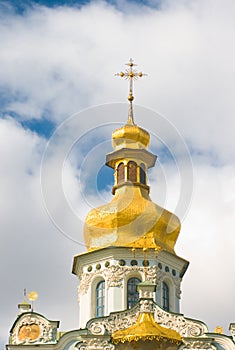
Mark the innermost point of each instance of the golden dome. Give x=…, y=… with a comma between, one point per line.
x=130, y=134
x=131, y=219
x=146, y=329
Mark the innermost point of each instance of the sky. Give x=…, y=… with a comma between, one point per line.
x=60, y=102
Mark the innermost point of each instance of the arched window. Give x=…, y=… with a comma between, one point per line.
x=120, y=173
x=132, y=294
x=100, y=299
x=165, y=297
x=142, y=174
x=132, y=171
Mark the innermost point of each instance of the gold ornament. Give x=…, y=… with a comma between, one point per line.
x=29, y=332
x=131, y=75
x=219, y=330
x=32, y=296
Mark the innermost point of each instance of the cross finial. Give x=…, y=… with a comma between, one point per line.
x=130, y=74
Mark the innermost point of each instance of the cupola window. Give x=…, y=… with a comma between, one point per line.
x=132, y=171
x=132, y=294
x=165, y=297
x=100, y=298
x=142, y=174
x=120, y=173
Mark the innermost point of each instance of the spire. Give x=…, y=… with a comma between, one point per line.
x=24, y=306
x=130, y=74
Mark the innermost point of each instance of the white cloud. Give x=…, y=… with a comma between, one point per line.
x=59, y=60
x=56, y=61
x=32, y=250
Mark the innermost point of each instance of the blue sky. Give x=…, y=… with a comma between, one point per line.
x=58, y=85
x=21, y=6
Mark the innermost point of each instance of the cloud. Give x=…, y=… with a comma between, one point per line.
x=32, y=249
x=208, y=240
x=57, y=61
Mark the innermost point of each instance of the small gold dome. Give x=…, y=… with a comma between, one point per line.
x=146, y=329
x=130, y=134
x=131, y=219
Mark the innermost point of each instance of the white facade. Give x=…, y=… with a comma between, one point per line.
x=116, y=266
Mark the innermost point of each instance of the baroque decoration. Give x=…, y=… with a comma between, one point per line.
x=96, y=344
x=122, y=320
x=115, y=276
x=33, y=329
x=198, y=344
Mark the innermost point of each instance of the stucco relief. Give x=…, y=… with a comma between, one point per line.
x=96, y=344
x=146, y=306
x=122, y=320
x=47, y=332
x=185, y=327
x=161, y=275
x=114, y=322
x=114, y=276
x=197, y=344
x=86, y=279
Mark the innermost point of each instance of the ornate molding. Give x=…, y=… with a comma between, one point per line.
x=47, y=332
x=86, y=279
x=95, y=343
x=113, y=322
x=177, y=283
x=146, y=305
x=122, y=320
x=115, y=275
x=198, y=344
x=185, y=327
x=161, y=275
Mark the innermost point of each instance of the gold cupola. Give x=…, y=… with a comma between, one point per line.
x=146, y=333
x=131, y=219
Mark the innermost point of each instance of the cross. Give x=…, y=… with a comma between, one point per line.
x=130, y=74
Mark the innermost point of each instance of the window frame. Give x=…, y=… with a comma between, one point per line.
x=100, y=299
x=143, y=174
x=165, y=296
x=132, y=171
x=132, y=296
x=120, y=173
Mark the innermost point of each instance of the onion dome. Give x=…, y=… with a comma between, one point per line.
x=131, y=219
x=130, y=135
x=146, y=329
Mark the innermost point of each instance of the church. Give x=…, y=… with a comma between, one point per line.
x=130, y=275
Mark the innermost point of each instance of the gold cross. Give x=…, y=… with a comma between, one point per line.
x=130, y=74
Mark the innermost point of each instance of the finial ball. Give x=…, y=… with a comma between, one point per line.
x=130, y=98
x=219, y=330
